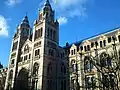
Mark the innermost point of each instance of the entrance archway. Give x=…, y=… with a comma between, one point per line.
x=22, y=80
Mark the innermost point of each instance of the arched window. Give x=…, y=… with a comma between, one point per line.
x=73, y=66
x=88, y=47
x=104, y=43
x=26, y=49
x=49, y=84
x=63, y=85
x=71, y=52
x=81, y=48
x=85, y=48
x=63, y=69
x=22, y=80
x=109, y=39
x=14, y=47
x=100, y=43
x=105, y=60
x=49, y=69
x=37, y=52
x=92, y=44
x=35, y=69
x=119, y=38
x=90, y=82
x=87, y=64
x=36, y=34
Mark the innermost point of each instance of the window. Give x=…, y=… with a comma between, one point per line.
x=73, y=83
x=90, y=82
x=88, y=47
x=35, y=69
x=26, y=49
x=81, y=48
x=85, y=48
x=105, y=60
x=74, y=51
x=49, y=69
x=63, y=85
x=37, y=44
x=71, y=52
x=87, y=64
x=77, y=48
x=63, y=69
x=114, y=38
x=119, y=38
x=36, y=33
x=96, y=43
x=104, y=43
x=12, y=62
x=100, y=43
x=73, y=66
x=37, y=52
x=14, y=46
x=25, y=57
x=109, y=39
x=41, y=32
x=29, y=56
x=51, y=52
x=105, y=81
x=92, y=44
x=49, y=82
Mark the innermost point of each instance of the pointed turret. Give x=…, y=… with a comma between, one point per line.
x=23, y=28
x=25, y=22
x=47, y=5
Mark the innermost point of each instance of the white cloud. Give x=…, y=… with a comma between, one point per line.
x=62, y=20
x=68, y=3
x=71, y=8
x=3, y=26
x=65, y=9
x=12, y=2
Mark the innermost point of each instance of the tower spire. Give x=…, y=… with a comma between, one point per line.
x=47, y=3
x=26, y=13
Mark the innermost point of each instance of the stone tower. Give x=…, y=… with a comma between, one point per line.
x=46, y=32
x=21, y=35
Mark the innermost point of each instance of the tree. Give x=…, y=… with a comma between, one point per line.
x=108, y=67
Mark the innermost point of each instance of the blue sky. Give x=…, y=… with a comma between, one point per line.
x=78, y=19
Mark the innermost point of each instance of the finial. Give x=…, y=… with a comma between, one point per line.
x=47, y=0
x=26, y=13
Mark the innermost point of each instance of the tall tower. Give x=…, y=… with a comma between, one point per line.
x=21, y=35
x=46, y=33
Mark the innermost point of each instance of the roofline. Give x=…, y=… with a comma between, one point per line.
x=94, y=36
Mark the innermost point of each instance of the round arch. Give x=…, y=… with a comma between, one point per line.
x=35, y=68
x=22, y=80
